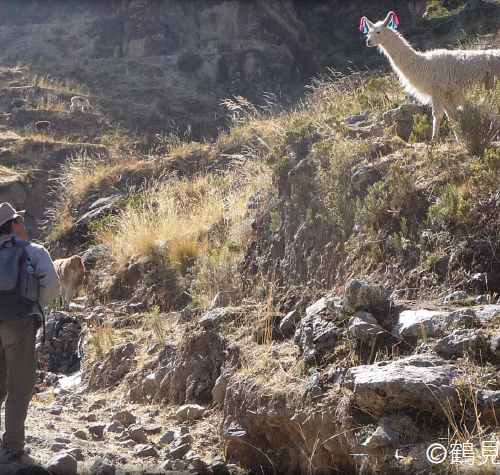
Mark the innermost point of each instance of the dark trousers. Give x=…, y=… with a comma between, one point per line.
x=17, y=376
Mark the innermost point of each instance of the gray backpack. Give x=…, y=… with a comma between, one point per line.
x=19, y=283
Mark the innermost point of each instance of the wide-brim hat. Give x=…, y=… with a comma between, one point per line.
x=7, y=212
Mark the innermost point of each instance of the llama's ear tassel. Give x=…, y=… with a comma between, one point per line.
x=363, y=26
x=394, y=22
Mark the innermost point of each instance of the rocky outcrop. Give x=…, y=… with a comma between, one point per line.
x=111, y=368
x=58, y=346
x=274, y=431
x=185, y=374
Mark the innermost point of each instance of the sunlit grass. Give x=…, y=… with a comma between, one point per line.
x=176, y=214
x=58, y=85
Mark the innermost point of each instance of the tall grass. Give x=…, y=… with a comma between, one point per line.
x=176, y=215
x=58, y=85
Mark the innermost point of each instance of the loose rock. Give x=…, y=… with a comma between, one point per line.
x=136, y=433
x=179, y=452
x=167, y=437
x=63, y=464
x=218, y=466
x=97, y=430
x=125, y=417
x=364, y=326
x=363, y=295
x=102, y=467
x=460, y=342
x=189, y=412
x=144, y=450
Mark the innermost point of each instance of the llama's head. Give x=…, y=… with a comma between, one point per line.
x=377, y=33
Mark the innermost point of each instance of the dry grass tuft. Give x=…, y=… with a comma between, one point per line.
x=180, y=215
x=275, y=366
x=55, y=84
x=183, y=254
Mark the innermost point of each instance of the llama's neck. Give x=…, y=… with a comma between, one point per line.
x=402, y=56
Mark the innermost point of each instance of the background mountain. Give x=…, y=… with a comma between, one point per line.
x=154, y=64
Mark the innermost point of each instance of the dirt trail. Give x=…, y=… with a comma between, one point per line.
x=62, y=420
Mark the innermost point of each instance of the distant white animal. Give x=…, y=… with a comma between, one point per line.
x=43, y=126
x=438, y=77
x=78, y=102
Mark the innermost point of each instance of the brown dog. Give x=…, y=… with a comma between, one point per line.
x=71, y=272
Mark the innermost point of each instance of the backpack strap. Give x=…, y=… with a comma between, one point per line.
x=20, y=243
x=24, y=244
x=12, y=243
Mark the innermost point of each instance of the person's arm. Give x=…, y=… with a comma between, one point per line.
x=49, y=280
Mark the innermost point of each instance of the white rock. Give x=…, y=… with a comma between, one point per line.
x=364, y=325
x=430, y=323
x=189, y=412
x=219, y=389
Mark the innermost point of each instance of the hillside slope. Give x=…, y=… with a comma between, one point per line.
x=321, y=281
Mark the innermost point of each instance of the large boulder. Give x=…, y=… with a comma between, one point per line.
x=420, y=382
x=430, y=323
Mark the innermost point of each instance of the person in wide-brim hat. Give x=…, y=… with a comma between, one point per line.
x=7, y=212
x=20, y=317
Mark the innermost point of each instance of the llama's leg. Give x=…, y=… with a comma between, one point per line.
x=62, y=296
x=437, y=115
x=69, y=295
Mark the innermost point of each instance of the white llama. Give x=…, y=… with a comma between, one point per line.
x=438, y=77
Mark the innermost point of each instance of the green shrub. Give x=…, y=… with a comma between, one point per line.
x=275, y=221
x=477, y=123
x=214, y=272
x=422, y=129
x=438, y=12
x=156, y=323
x=335, y=161
x=403, y=194
x=450, y=206
x=376, y=94
x=373, y=210
x=98, y=226
x=286, y=165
